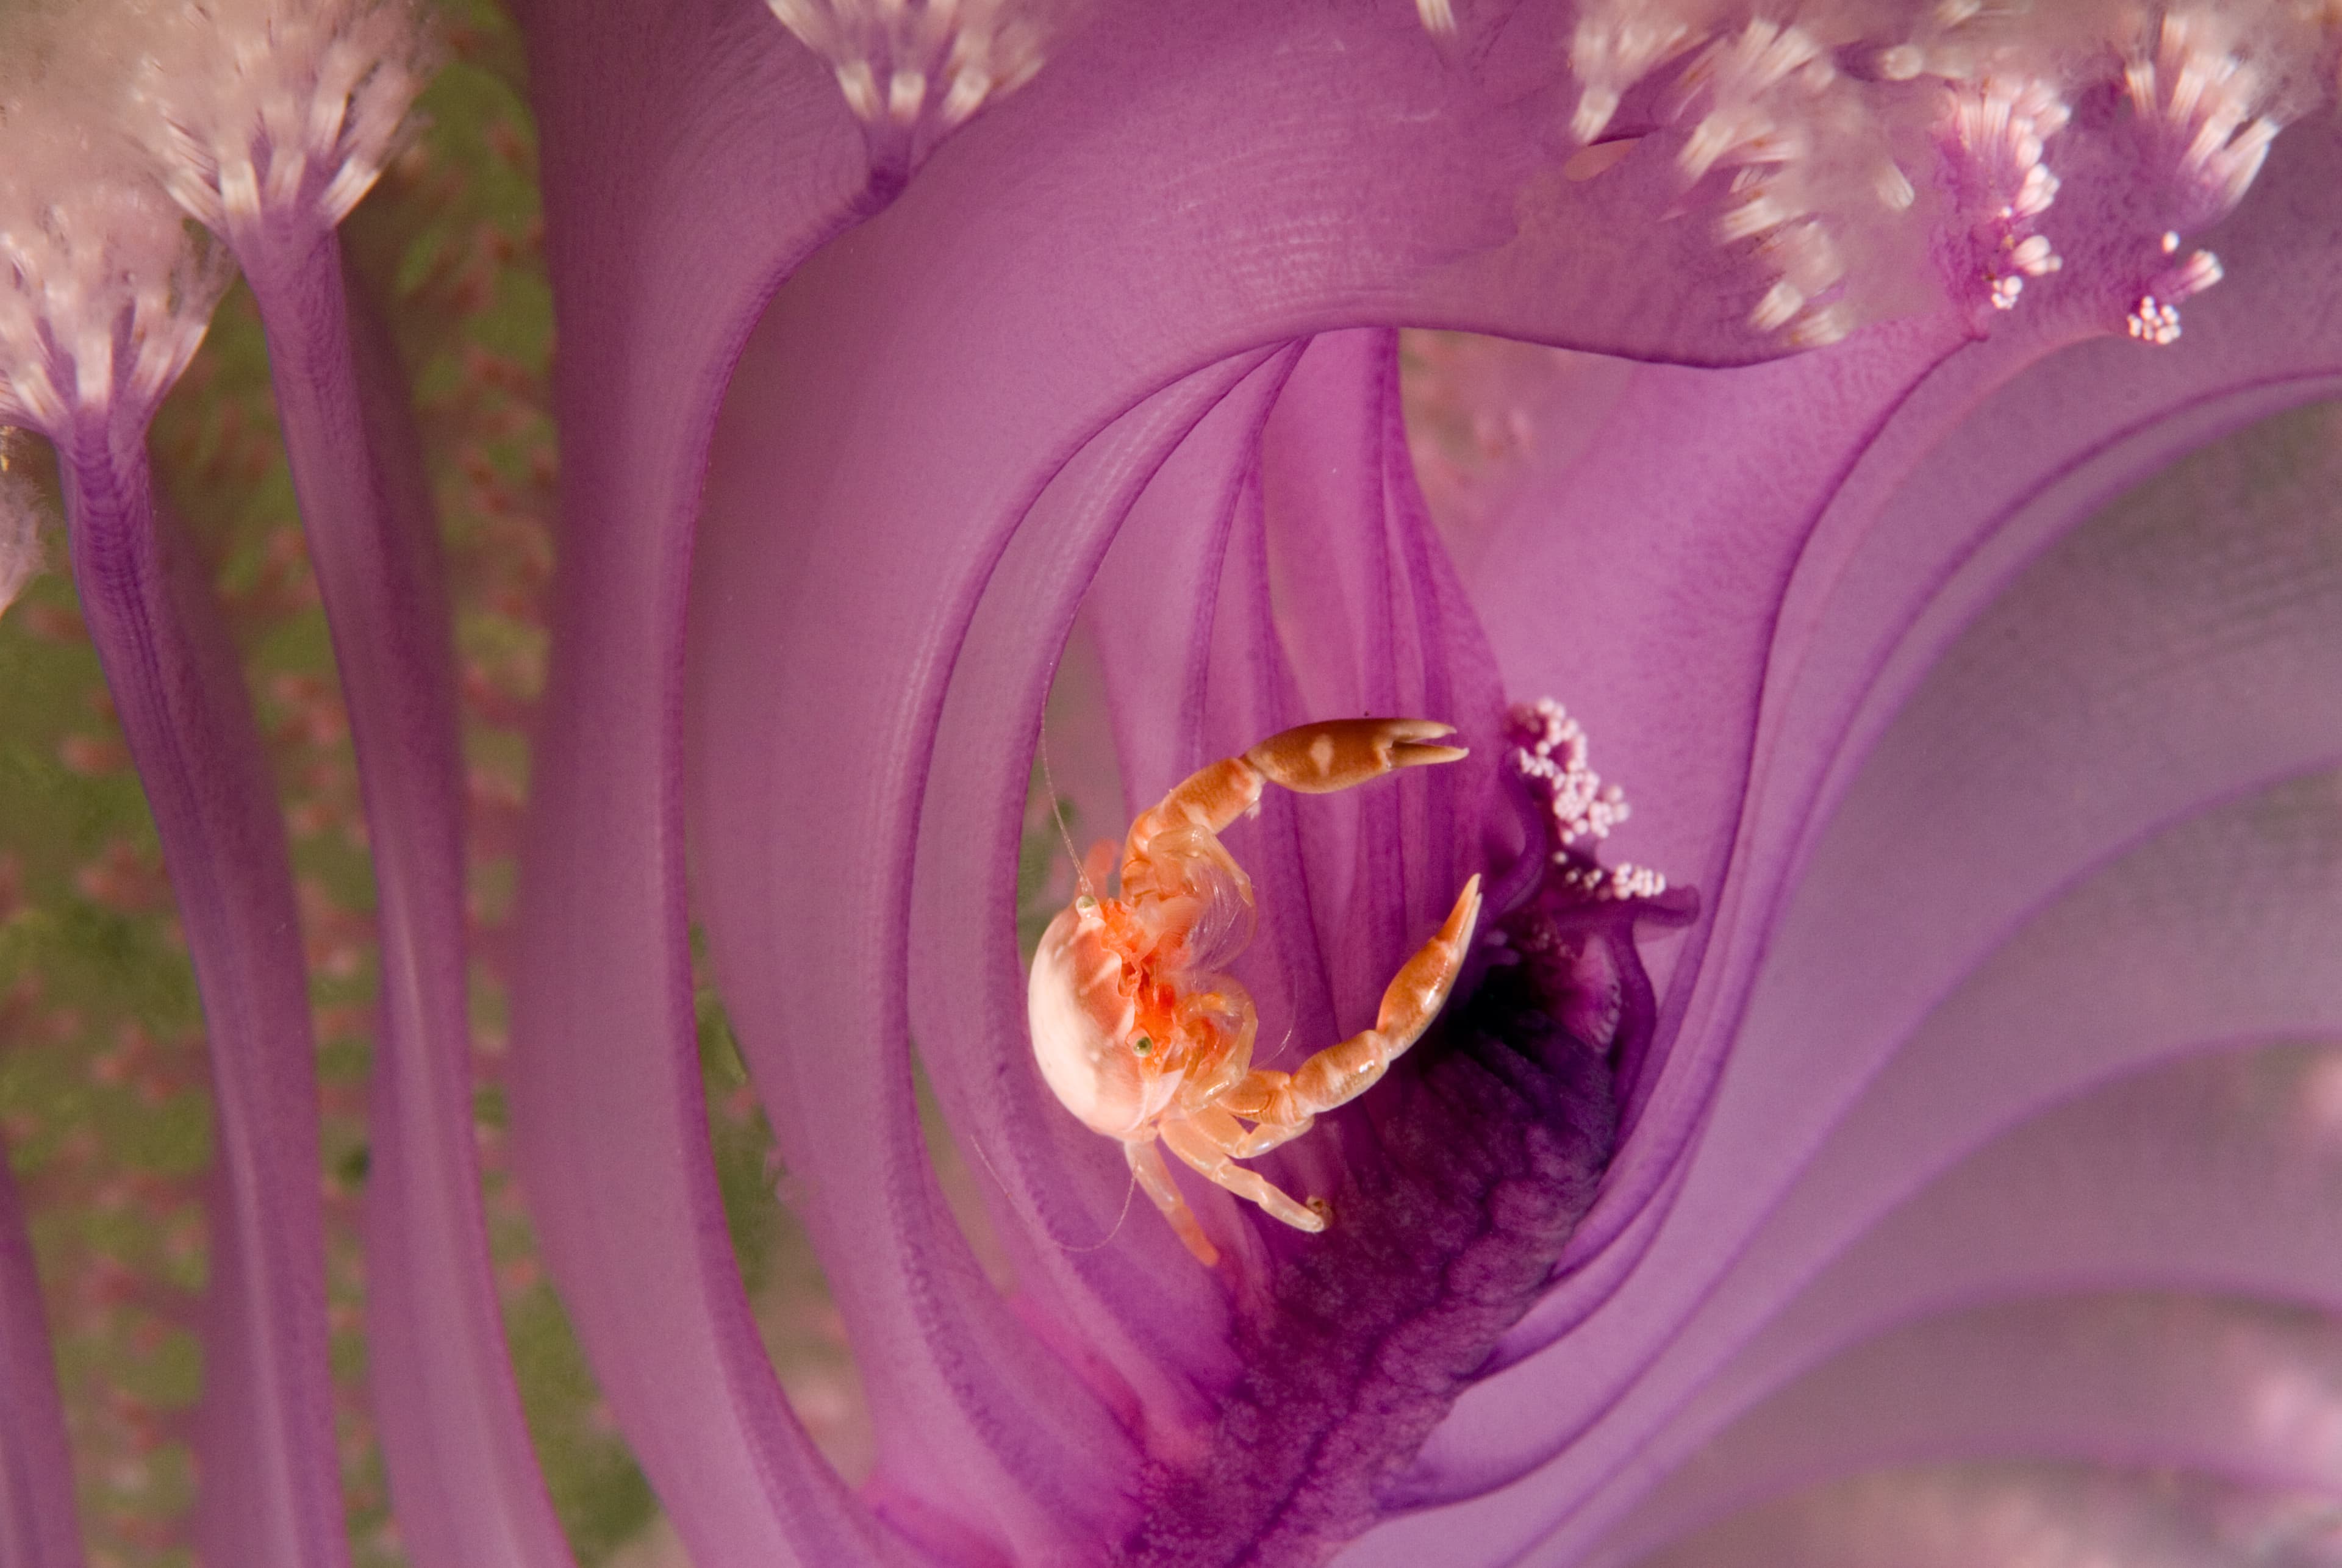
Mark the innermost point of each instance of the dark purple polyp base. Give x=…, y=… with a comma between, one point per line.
x=1488, y=1143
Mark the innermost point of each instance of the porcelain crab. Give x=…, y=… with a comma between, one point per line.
x=1139, y=1035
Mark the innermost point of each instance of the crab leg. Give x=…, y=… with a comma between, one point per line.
x=1206, y=1139
x=1154, y=1179
x=1311, y=759
x=1285, y=1104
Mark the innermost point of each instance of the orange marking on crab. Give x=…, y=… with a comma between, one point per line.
x=1139, y=1035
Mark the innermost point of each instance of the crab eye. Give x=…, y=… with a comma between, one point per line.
x=1084, y=902
x=1142, y=1044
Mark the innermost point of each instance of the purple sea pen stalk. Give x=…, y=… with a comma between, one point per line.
x=273, y=119
x=37, y=1525
x=693, y=156
x=108, y=300
x=270, y=1491
x=453, y=1434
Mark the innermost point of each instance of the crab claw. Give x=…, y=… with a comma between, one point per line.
x=1341, y=754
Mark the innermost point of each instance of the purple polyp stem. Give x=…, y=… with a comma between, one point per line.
x=457, y=1446
x=266, y=1455
x=37, y=1525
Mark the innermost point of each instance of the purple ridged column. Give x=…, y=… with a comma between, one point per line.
x=467, y=1483
x=38, y=1526
x=267, y=1466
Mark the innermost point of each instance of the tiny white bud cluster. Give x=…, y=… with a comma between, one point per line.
x=104, y=292
x=2155, y=320
x=255, y=106
x=899, y=61
x=1550, y=752
x=1603, y=884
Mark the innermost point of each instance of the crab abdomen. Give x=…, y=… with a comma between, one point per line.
x=1081, y=1004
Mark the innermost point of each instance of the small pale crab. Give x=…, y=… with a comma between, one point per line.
x=1142, y=1038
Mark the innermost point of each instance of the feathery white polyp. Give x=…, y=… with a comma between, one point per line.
x=2216, y=109
x=104, y=292
x=1832, y=116
x=1617, y=43
x=272, y=105
x=1997, y=130
x=895, y=59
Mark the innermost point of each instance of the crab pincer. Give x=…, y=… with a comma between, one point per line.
x=1342, y=754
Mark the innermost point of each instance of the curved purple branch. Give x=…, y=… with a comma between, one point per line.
x=692, y=154
x=1156, y=1323
x=689, y=162
x=2213, y=932
x=1354, y=1400
x=972, y=1412
x=2068, y=1203
x=271, y=1486
x=468, y=1486
x=1326, y=593
x=2165, y=1383
x=964, y=382
x=1831, y=471
x=1364, y=611
x=1901, y=559
x=38, y=1527
x=2214, y=1152
x=987, y=279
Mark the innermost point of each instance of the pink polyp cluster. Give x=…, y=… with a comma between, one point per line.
x=1859, y=146
x=1999, y=130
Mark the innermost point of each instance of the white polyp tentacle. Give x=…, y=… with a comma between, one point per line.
x=1816, y=183
x=103, y=293
x=2000, y=127
x=1741, y=78
x=2210, y=95
x=1617, y=43
x=2213, y=107
x=277, y=105
x=1818, y=105
x=899, y=62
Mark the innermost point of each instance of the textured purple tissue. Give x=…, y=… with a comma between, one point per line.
x=1963, y=1112
x=1126, y=331
x=1473, y=1168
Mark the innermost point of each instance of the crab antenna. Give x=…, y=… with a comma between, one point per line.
x=1129, y=1193
x=1057, y=818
